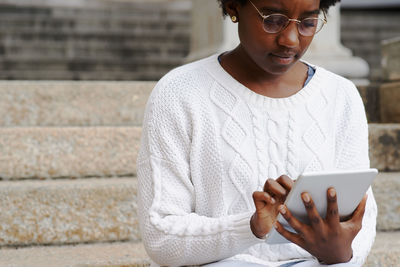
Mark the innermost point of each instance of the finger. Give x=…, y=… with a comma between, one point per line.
x=295, y=238
x=275, y=189
x=332, y=213
x=261, y=199
x=313, y=215
x=355, y=223
x=285, y=182
x=298, y=226
x=358, y=214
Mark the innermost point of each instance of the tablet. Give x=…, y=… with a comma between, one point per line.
x=350, y=186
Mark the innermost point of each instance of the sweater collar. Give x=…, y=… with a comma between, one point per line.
x=226, y=80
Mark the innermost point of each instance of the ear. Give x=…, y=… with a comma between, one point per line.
x=232, y=8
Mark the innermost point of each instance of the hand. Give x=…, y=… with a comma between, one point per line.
x=267, y=204
x=279, y=188
x=329, y=240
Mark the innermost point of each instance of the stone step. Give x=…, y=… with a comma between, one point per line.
x=98, y=31
x=391, y=59
x=68, y=211
x=386, y=189
x=72, y=18
x=127, y=74
x=384, y=253
x=75, y=67
x=104, y=209
x=370, y=95
x=88, y=58
x=80, y=9
x=42, y=152
x=71, y=103
x=93, y=45
x=126, y=254
x=389, y=96
x=49, y=97
x=384, y=146
x=87, y=22
x=54, y=152
x=29, y=61
x=116, y=51
x=386, y=250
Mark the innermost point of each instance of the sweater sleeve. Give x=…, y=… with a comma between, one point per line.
x=172, y=232
x=353, y=154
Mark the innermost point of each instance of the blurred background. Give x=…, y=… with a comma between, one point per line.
x=74, y=80
x=141, y=40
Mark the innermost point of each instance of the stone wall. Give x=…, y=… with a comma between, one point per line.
x=364, y=29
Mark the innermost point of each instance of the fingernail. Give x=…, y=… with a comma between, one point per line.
x=332, y=192
x=306, y=198
x=282, y=210
x=275, y=225
x=272, y=200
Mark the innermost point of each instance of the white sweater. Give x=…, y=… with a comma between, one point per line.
x=209, y=142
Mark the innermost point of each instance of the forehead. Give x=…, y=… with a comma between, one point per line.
x=289, y=5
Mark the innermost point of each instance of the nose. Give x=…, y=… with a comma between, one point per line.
x=289, y=37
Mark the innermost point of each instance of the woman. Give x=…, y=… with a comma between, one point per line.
x=215, y=130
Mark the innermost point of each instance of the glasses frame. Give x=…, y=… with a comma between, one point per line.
x=324, y=21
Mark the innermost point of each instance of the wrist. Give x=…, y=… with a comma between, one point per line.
x=256, y=232
x=344, y=259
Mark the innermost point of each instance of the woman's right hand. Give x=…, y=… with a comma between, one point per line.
x=267, y=203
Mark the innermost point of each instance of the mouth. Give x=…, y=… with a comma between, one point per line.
x=283, y=59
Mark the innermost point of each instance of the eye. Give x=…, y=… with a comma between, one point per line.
x=276, y=19
x=274, y=23
x=309, y=23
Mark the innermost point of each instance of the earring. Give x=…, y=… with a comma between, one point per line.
x=234, y=18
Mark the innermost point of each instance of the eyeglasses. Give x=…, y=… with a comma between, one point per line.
x=275, y=23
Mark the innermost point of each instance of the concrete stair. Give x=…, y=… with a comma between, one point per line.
x=66, y=211
x=129, y=254
x=119, y=254
x=71, y=103
x=68, y=187
x=91, y=40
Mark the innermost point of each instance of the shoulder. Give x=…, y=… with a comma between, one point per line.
x=183, y=82
x=344, y=89
x=177, y=95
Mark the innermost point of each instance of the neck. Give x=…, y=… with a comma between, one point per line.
x=241, y=67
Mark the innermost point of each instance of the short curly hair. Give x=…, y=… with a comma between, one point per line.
x=324, y=4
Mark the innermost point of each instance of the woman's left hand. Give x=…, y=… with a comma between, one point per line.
x=329, y=239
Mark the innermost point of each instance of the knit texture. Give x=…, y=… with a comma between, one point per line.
x=209, y=142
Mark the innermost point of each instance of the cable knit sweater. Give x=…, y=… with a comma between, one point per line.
x=209, y=142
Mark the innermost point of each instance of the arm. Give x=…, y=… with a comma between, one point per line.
x=353, y=154
x=172, y=232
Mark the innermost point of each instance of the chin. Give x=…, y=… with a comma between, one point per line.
x=278, y=70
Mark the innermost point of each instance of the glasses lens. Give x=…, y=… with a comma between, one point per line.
x=275, y=23
x=310, y=26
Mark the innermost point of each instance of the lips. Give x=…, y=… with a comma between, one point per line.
x=283, y=58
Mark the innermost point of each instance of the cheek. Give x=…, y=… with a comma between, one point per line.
x=254, y=39
x=304, y=45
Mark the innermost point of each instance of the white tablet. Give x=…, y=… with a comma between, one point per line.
x=350, y=186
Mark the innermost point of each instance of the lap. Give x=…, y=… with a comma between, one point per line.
x=315, y=263
x=233, y=263
x=306, y=263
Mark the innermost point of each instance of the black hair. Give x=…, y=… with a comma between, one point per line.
x=323, y=5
